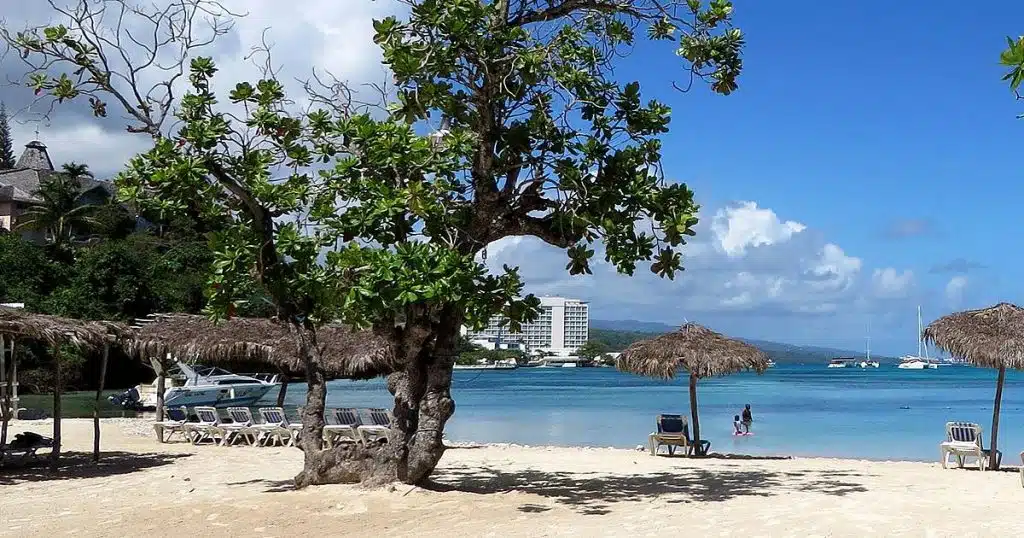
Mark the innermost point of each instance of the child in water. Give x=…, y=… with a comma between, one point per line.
x=736, y=424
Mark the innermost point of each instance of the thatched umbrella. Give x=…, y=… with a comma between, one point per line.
x=696, y=349
x=991, y=337
x=262, y=342
x=56, y=331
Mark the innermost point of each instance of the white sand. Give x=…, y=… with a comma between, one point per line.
x=148, y=489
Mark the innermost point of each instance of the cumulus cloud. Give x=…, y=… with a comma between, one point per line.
x=329, y=36
x=889, y=283
x=955, y=290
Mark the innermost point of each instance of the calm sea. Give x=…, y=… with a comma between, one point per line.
x=883, y=413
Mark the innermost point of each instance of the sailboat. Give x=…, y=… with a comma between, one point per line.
x=921, y=360
x=867, y=362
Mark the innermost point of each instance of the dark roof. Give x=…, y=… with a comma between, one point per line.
x=14, y=194
x=33, y=168
x=35, y=157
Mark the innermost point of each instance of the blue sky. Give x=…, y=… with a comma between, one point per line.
x=868, y=164
x=885, y=129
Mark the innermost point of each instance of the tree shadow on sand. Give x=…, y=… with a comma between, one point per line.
x=273, y=486
x=75, y=465
x=593, y=494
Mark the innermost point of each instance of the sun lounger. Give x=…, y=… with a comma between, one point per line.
x=209, y=427
x=22, y=448
x=963, y=440
x=673, y=432
x=346, y=422
x=380, y=424
x=275, y=427
x=240, y=427
x=174, y=423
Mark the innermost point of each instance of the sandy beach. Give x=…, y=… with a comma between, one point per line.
x=146, y=488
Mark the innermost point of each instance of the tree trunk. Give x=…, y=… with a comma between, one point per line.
x=312, y=437
x=283, y=391
x=993, y=462
x=96, y=406
x=698, y=449
x=423, y=405
x=57, y=381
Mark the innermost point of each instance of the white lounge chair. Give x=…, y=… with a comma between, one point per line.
x=209, y=427
x=240, y=427
x=346, y=422
x=275, y=427
x=174, y=423
x=963, y=440
x=380, y=424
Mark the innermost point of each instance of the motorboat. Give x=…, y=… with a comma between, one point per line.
x=193, y=386
x=840, y=363
x=507, y=364
x=771, y=363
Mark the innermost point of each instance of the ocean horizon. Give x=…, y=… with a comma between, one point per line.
x=799, y=410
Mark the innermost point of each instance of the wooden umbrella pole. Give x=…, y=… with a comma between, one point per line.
x=6, y=372
x=96, y=406
x=698, y=449
x=55, y=454
x=993, y=461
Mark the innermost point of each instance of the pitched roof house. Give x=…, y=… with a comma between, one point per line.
x=19, y=184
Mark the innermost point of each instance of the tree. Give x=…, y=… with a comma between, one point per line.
x=593, y=349
x=1013, y=57
x=61, y=211
x=536, y=138
x=7, y=160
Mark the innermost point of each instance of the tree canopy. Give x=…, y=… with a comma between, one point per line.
x=507, y=121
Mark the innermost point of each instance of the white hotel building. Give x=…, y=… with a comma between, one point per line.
x=562, y=327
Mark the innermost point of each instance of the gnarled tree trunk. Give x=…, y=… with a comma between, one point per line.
x=311, y=438
x=423, y=405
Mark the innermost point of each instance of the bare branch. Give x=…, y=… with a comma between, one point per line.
x=128, y=52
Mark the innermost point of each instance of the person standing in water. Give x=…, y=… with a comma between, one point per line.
x=748, y=418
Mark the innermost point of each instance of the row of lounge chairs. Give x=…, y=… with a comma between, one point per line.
x=274, y=429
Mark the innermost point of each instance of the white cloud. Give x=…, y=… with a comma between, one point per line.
x=746, y=260
x=955, y=290
x=890, y=283
x=744, y=225
x=327, y=35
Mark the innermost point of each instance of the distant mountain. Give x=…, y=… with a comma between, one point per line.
x=618, y=334
x=632, y=325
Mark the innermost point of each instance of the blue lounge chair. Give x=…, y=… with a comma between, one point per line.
x=673, y=431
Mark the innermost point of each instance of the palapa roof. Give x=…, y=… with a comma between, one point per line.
x=696, y=349
x=55, y=330
x=260, y=342
x=990, y=337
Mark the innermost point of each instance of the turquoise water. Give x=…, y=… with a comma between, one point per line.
x=882, y=413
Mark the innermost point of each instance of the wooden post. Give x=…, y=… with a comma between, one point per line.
x=55, y=454
x=96, y=407
x=283, y=391
x=5, y=405
x=160, y=393
x=697, y=447
x=993, y=462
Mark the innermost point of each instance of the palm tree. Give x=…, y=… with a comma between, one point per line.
x=61, y=211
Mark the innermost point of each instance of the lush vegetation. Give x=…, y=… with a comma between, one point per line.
x=339, y=213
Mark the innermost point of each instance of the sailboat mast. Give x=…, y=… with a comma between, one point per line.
x=920, y=354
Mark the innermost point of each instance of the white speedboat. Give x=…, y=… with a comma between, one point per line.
x=921, y=360
x=509, y=364
x=840, y=363
x=195, y=386
x=771, y=363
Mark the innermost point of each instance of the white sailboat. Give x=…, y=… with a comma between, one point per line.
x=867, y=362
x=921, y=360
